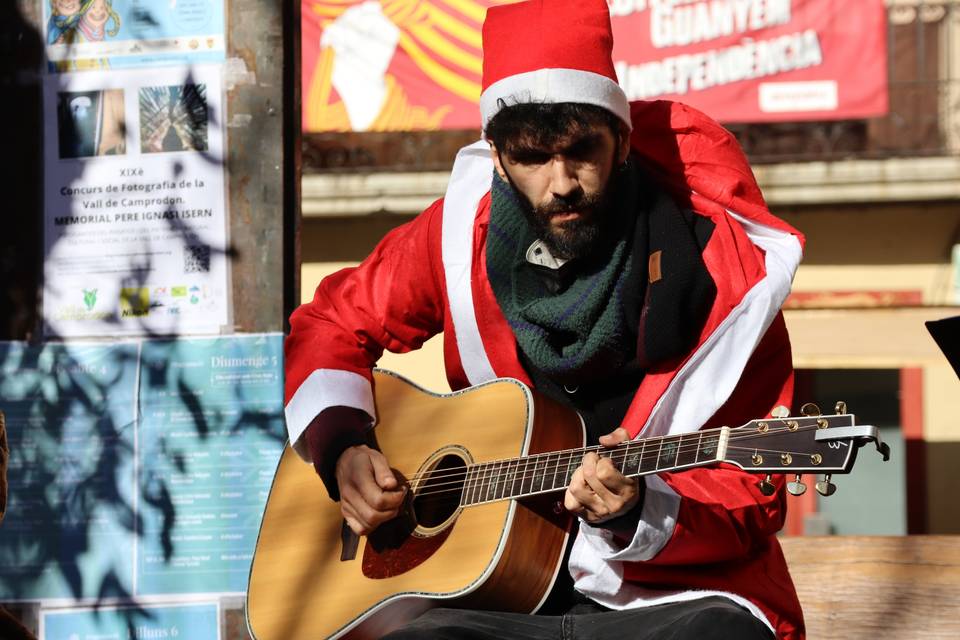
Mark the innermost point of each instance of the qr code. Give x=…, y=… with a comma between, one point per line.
x=196, y=259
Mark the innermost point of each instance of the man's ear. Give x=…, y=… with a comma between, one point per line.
x=497, y=164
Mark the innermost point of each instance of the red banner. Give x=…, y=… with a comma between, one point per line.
x=755, y=60
x=378, y=65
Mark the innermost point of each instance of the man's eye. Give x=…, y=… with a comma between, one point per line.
x=530, y=158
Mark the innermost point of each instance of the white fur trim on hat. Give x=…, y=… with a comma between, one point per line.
x=555, y=85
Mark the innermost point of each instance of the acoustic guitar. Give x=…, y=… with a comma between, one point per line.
x=483, y=525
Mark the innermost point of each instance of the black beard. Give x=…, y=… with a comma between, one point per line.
x=578, y=238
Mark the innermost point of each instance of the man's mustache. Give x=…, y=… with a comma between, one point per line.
x=578, y=204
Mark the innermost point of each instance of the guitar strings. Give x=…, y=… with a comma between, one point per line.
x=623, y=450
x=618, y=455
x=459, y=475
x=487, y=482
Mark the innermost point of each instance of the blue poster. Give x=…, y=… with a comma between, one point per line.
x=137, y=468
x=178, y=622
x=211, y=433
x=70, y=521
x=99, y=34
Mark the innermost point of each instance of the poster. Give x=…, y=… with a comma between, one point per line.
x=385, y=65
x=101, y=34
x=169, y=622
x=137, y=470
x=70, y=413
x=211, y=434
x=135, y=229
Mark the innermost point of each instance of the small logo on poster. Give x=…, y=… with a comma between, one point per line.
x=134, y=302
x=89, y=298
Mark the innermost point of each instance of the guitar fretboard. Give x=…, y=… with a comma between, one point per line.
x=546, y=472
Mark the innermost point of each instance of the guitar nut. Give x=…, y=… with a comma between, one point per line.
x=793, y=425
x=816, y=458
x=757, y=459
x=822, y=423
x=762, y=427
x=786, y=458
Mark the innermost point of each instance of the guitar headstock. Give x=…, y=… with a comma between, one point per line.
x=807, y=443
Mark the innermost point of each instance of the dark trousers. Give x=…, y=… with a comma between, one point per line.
x=712, y=618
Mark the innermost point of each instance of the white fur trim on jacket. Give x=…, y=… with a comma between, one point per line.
x=469, y=181
x=555, y=85
x=325, y=388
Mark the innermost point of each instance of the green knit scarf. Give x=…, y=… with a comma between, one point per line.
x=579, y=332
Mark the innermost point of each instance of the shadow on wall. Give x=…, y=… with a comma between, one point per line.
x=80, y=494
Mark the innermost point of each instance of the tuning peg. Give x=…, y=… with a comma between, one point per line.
x=766, y=486
x=780, y=411
x=825, y=487
x=840, y=408
x=796, y=487
x=810, y=409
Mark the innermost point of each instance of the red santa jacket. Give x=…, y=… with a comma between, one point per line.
x=702, y=531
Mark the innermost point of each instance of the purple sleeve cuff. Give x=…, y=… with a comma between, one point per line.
x=333, y=431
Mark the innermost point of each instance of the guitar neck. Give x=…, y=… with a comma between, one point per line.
x=546, y=472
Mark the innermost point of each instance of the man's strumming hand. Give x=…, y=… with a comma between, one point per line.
x=369, y=492
x=598, y=491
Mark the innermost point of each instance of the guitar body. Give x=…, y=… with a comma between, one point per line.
x=307, y=582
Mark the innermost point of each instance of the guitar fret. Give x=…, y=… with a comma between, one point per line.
x=509, y=485
x=709, y=447
x=503, y=478
x=556, y=471
x=648, y=460
x=543, y=473
x=466, y=495
x=668, y=453
x=475, y=490
x=508, y=474
x=538, y=474
x=562, y=469
x=525, y=477
x=494, y=477
x=571, y=468
x=631, y=459
x=656, y=462
x=519, y=476
x=553, y=461
x=485, y=487
x=687, y=452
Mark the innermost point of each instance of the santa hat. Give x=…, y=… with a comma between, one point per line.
x=547, y=51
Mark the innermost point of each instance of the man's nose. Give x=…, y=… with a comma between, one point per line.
x=563, y=177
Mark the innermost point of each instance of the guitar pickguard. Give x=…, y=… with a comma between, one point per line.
x=386, y=558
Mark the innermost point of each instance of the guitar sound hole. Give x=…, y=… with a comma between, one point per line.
x=438, y=496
